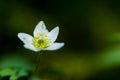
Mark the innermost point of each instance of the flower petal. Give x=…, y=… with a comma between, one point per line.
x=53, y=34
x=31, y=47
x=55, y=46
x=26, y=38
x=40, y=28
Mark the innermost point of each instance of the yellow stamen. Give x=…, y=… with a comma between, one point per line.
x=41, y=41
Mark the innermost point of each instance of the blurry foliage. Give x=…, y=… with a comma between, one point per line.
x=14, y=66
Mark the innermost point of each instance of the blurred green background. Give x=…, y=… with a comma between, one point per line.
x=89, y=28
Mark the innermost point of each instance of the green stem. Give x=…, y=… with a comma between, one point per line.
x=37, y=62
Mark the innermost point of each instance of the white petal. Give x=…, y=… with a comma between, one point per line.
x=40, y=28
x=55, y=46
x=31, y=47
x=26, y=38
x=53, y=34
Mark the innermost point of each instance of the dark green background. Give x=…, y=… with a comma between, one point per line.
x=90, y=30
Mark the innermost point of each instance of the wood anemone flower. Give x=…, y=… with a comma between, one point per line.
x=42, y=39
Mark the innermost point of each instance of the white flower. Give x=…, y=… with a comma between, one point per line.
x=42, y=39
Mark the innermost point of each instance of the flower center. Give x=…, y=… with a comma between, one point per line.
x=41, y=41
